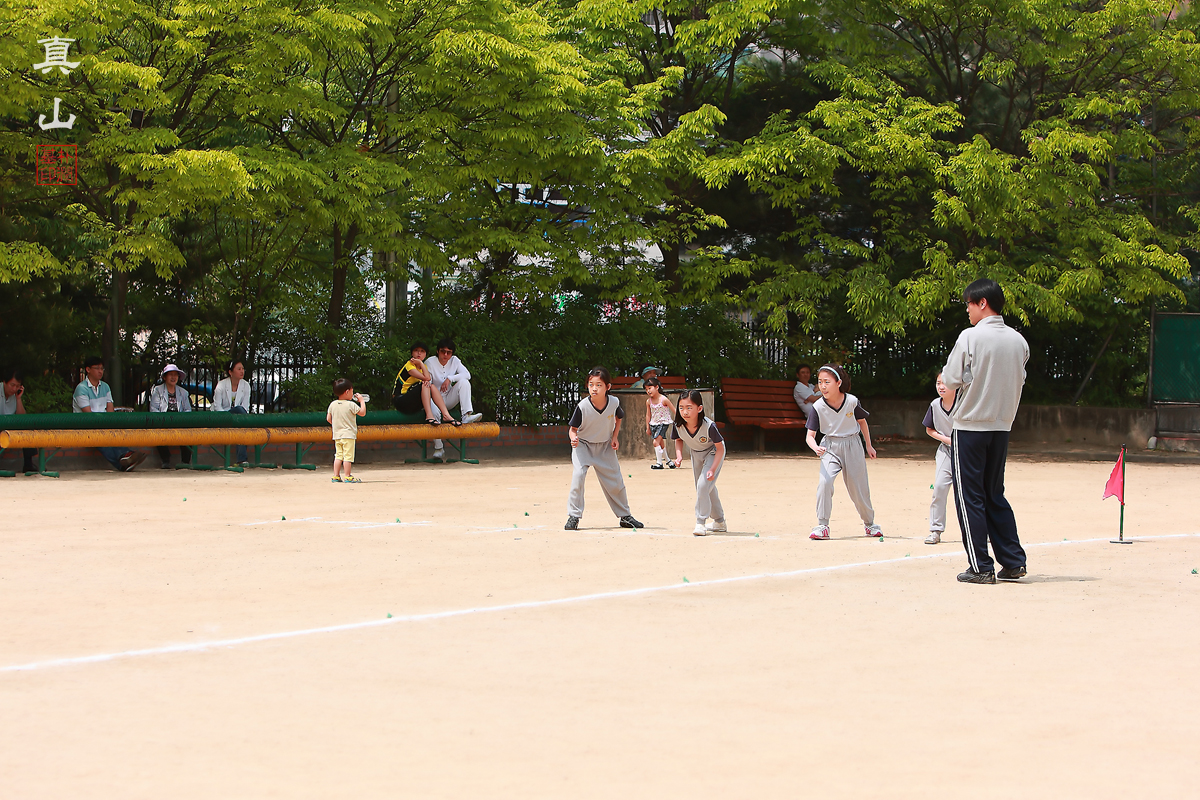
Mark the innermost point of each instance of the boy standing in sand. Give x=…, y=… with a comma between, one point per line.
x=987, y=369
x=343, y=415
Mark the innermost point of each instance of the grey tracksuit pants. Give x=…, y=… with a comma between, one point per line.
x=708, y=502
x=844, y=454
x=603, y=458
x=943, y=479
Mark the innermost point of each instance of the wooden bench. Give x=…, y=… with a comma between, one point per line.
x=670, y=383
x=765, y=405
x=55, y=432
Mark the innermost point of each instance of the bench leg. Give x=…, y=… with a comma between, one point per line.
x=6, y=473
x=760, y=440
x=300, y=451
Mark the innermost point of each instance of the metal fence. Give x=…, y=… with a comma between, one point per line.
x=1175, y=359
x=267, y=373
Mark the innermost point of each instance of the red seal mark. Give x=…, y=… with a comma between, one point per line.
x=57, y=165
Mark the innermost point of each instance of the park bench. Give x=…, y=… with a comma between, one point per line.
x=220, y=432
x=670, y=383
x=765, y=405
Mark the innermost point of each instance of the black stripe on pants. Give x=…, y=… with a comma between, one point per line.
x=983, y=513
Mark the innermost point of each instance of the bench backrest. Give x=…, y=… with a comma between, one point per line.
x=670, y=383
x=745, y=398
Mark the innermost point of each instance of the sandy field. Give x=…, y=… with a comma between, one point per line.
x=434, y=633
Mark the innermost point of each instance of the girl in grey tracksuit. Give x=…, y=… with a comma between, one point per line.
x=593, y=431
x=708, y=456
x=840, y=418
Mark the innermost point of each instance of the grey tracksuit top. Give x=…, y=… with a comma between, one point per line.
x=987, y=367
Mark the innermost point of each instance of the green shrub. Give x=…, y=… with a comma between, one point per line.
x=47, y=394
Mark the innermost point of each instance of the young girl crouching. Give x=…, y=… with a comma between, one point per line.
x=841, y=418
x=708, y=454
x=594, y=430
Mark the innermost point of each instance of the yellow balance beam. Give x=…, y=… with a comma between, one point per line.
x=128, y=437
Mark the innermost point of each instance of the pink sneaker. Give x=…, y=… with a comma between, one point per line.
x=874, y=530
x=820, y=532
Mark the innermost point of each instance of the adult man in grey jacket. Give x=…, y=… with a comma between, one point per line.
x=987, y=367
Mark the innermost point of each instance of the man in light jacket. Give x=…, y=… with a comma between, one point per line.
x=453, y=380
x=987, y=368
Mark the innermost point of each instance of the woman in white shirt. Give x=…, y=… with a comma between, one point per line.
x=233, y=395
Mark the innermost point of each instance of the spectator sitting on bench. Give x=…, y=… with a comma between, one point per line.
x=168, y=397
x=10, y=403
x=233, y=395
x=453, y=381
x=413, y=389
x=805, y=393
x=92, y=396
x=648, y=372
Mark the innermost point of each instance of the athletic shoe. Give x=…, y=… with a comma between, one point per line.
x=717, y=526
x=164, y=465
x=1012, y=573
x=572, y=524
x=335, y=480
x=699, y=530
x=131, y=460
x=971, y=576
x=440, y=455
x=670, y=464
x=656, y=466
x=820, y=532
x=628, y=521
x=244, y=465
x=352, y=479
x=472, y=417
x=873, y=530
x=934, y=537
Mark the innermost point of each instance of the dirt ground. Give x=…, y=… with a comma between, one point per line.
x=161, y=637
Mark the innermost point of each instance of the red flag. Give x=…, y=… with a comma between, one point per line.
x=1116, y=481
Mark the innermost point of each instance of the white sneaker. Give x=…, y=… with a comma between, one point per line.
x=820, y=532
x=472, y=417
x=439, y=454
x=934, y=537
x=717, y=526
x=873, y=530
x=699, y=530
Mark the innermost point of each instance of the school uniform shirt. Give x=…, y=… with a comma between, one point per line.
x=344, y=414
x=8, y=405
x=96, y=398
x=224, y=398
x=160, y=399
x=406, y=378
x=939, y=418
x=704, y=439
x=841, y=421
x=596, y=426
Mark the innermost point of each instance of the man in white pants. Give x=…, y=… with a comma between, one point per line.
x=453, y=380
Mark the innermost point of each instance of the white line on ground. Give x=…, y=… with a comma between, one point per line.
x=195, y=647
x=355, y=524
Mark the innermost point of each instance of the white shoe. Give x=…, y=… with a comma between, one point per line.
x=699, y=530
x=472, y=417
x=717, y=526
x=440, y=455
x=934, y=537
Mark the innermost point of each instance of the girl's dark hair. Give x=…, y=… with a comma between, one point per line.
x=229, y=367
x=601, y=373
x=652, y=382
x=341, y=385
x=697, y=399
x=840, y=372
x=418, y=346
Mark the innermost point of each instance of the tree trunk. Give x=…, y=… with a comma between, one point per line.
x=670, y=256
x=337, y=297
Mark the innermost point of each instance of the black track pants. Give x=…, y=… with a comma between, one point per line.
x=983, y=513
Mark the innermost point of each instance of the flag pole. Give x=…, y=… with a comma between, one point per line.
x=1121, y=535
